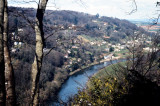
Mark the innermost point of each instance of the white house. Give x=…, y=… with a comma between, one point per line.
x=15, y=43
x=66, y=56
x=20, y=30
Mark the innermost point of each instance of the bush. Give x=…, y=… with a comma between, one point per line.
x=101, y=92
x=111, y=49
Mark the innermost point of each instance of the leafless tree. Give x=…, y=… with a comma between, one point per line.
x=134, y=7
x=37, y=65
x=9, y=74
x=2, y=77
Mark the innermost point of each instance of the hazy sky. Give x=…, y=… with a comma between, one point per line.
x=113, y=8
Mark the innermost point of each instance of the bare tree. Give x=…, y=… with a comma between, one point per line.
x=9, y=73
x=134, y=7
x=37, y=65
x=2, y=77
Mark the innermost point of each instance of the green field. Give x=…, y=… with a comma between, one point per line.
x=122, y=53
x=106, y=72
x=109, y=70
x=88, y=38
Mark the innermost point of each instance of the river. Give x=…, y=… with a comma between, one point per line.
x=79, y=80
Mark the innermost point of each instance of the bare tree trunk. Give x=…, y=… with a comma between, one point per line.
x=9, y=74
x=2, y=77
x=36, y=66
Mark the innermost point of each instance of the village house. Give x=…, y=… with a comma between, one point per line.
x=107, y=49
x=105, y=24
x=92, y=43
x=147, y=49
x=116, y=49
x=103, y=42
x=94, y=21
x=74, y=47
x=69, y=51
x=66, y=56
x=15, y=43
x=20, y=30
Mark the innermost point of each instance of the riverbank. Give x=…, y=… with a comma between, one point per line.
x=95, y=63
x=79, y=80
x=106, y=71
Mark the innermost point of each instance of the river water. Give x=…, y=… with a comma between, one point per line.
x=79, y=80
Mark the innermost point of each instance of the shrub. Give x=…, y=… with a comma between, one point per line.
x=101, y=92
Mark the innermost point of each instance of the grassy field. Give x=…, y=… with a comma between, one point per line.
x=89, y=39
x=109, y=70
x=122, y=53
x=106, y=71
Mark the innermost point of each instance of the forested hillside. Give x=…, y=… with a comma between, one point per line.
x=90, y=25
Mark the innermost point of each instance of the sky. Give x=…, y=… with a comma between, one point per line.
x=146, y=9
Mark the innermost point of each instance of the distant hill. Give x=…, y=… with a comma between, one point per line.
x=139, y=20
x=91, y=25
x=147, y=24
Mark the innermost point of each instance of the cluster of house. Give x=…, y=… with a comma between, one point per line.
x=130, y=43
x=104, y=23
x=62, y=27
x=98, y=43
x=17, y=42
x=117, y=47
